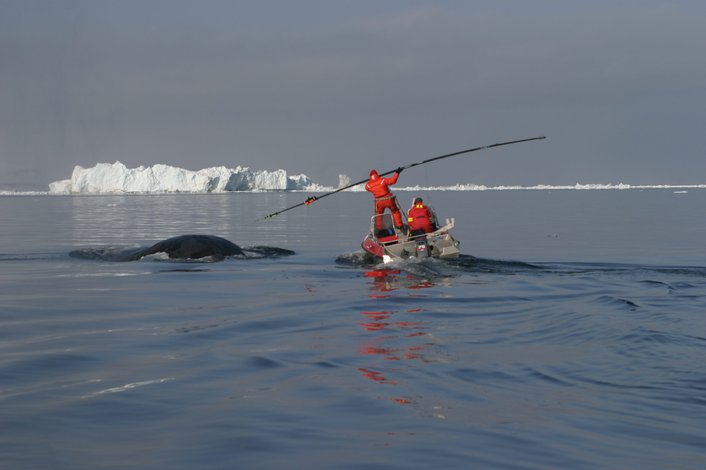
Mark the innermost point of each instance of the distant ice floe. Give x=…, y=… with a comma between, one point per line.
x=549, y=187
x=22, y=193
x=116, y=178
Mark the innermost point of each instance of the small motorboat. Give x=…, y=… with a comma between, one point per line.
x=389, y=243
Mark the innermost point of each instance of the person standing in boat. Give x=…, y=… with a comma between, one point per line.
x=420, y=218
x=384, y=199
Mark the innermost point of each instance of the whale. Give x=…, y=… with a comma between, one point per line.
x=185, y=247
x=192, y=247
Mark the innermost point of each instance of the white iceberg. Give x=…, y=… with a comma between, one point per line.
x=107, y=178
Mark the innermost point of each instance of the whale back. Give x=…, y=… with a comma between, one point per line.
x=193, y=247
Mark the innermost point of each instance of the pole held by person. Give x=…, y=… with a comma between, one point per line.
x=312, y=199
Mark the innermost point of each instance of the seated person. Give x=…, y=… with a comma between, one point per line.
x=420, y=218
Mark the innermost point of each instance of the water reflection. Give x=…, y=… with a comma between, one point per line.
x=130, y=219
x=394, y=336
x=386, y=280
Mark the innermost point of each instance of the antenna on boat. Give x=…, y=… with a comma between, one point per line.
x=312, y=199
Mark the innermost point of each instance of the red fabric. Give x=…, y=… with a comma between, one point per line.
x=389, y=203
x=378, y=185
x=420, y=217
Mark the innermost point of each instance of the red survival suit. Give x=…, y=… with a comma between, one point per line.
x=384, y=199
x=420, y=218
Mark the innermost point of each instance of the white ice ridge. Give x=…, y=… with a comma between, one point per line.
x=552, y=187
x=107, y=178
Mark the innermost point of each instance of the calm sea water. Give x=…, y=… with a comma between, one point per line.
x=573, y=337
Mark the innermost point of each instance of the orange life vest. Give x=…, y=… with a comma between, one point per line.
x=419, y=217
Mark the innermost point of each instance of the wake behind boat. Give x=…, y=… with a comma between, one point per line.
x=388, y=243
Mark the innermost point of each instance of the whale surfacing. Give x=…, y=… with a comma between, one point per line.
x=184, y=247
x=192, y=247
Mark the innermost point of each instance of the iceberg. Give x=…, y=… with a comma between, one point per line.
x=116, y=178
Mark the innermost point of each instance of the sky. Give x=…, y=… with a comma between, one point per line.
x=329, y=87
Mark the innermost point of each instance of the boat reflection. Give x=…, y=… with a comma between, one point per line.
x=388, y=280
x=394, y=336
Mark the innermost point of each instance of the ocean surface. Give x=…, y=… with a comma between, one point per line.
x=571, y=334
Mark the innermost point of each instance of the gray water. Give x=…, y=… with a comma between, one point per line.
x=572, y=334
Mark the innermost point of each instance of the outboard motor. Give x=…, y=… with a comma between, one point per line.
x=422, y=249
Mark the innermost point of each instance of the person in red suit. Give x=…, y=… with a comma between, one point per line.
x=420, y=218
x=384, y=199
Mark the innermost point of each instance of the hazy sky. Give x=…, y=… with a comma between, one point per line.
x=324, y=87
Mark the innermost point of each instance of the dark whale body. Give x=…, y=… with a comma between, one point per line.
x=185, y=247
x=192, y=247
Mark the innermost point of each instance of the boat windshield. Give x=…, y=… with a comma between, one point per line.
x=382, y=225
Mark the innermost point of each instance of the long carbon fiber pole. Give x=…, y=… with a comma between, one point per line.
x=312, y=199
